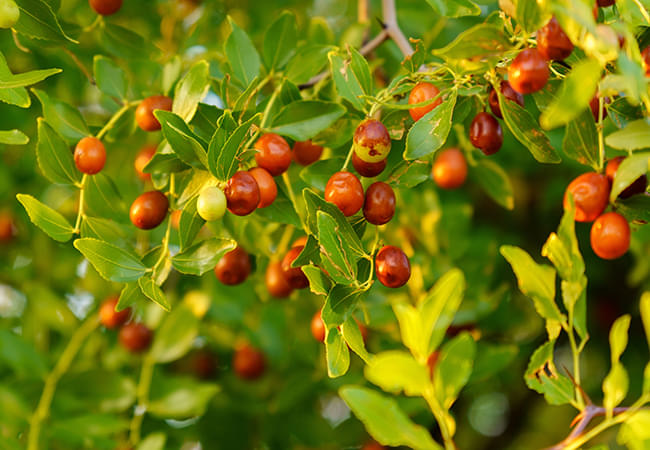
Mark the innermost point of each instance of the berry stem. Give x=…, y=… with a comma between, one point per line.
x=142, y=395
x=601, y=140
x=63, y=364
x=292, y=196
x=82, y=195
x=347, y=159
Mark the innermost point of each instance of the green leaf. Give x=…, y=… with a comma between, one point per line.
x=634, y=136
x=304, y=119
x=17, y=96
x=110, y=78
x=102, y=229
x=124, y=43
x=190, y=90
x=525, y=129
x=13, y=137
x=317, y=174
x=615, y=387
x=384, y=420
x=635, y=208
x=563, y=251
x=627, y=173
x=116, y=392
x=20, y=355
x=154, y=441
x=103, y=199
x=618, y=337
x=455, y=8
x=536, y=281
x=580, y=141
x=47, y=219
x=411, y=330
x=531, y=15
x=644, y=306
x=574, y=95
x=54, y=157
x=308, y=61
x=189, y=225
x=182, y=140
x=395, y=371
x=179, y=397
x=454, y=368
x=280, y=41
x=495, y=182
x=482, y=41
x=319, y=284
x=91, y=429
x=337, y=354
x=175, y=336
x=351, y=76
x=111, y=262
x=635, y=431
x=338, y=258
x=542, y=377
x=202, y=256
x=242, y=55
x=431, y=131
x=280, y=211
x=408, y=174
x=353, y=337
x=38, y=21
x=621, y=112
x=153, y=292
x=65, y=119
x=224, y=157
x=26, y=78
x=130, y=295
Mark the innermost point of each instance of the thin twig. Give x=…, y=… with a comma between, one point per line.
x=81, y=66
x=393, y=29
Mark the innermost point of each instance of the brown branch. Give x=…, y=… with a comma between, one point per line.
x=393, y=29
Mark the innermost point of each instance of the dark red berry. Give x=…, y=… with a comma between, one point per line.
x=149, y=210
x=266, y=184
x=294, y=275
x=248, y=362
x=135, y=337
x=528, y=72
x=485, y=133
x=637, y=187
x=509, y=93
x=366, y=169
x=273, y=153
x=645, y=56
x=605, y=3
x=109, y=317
x=7, y=227
x=379, y=205
x=552, y=41
x=142, y=159
x=306, y=152
x=392, y=267
x=233, y=267
x=105, y=7
x=345, y=191
x=276, y=282
x=242, y=193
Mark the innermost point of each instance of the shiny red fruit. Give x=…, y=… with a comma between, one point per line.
x=109, y=317
x=645, y=56
x=248, y=362
x=144, y=112
x=141, y=160
x=276, y=282
x=90, y=155
x=450, y=169
x=637, y=187
x=345, y=191
x=371, y=141
x=273, y=153
x=7, y=227
x=509, y=93
x=423, y=92
x=266, y=184
x=105, y=7
x=610, y=236
x=552, y=41
x=306, y=152
x=294, y=275
x=379, y=205
x=233, y=267
x=528, y=72
x=149, y=210
x=590, y=195
x=318, y=327
x=485, y=133
x=392, y=267
x=605, y=3
x=135, y=337
x=242, y=193
x=366, y=169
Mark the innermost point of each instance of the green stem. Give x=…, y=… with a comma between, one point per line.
x=347, y=159
x=601, y=139
x=142, y=395
x=287, y=183
x=63, y=364
x=284, y=240
x=120, y=112
x=165, y=242
x=576, y=363
x=439, y=414
x=82, y=196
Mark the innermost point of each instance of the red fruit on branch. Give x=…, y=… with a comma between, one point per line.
x=605, y=3
x=552, y=41
x=423, y=92
x=273, y=154
x=610, y=236
x=637, y=187
x=508, y=92
x=528, y=72
x=366, y=169
x=371, y=141
x=141, y=160
x=135, y=337
x=485, y=133
x=294, y=275
x=266, y=184
x=450, y=169
x=234, y=267
x=7, y=227
x=345, y=191
x=144, y=112
x=276, y=282
x=590, y=195
x=248, y=362
x=105, y=7
x=318, y=327
x=392, y=267
x=306, y=152
x=90, y=155
x=242, y=193
x=149, y=210
x=645, y=56
x=111, y=318
x=379, y=205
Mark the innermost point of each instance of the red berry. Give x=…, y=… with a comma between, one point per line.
x=318, y=327
x=242, y=193
x=645, y=56
x=373, y=445
x=90, y=155
x=305, y=152
x=485, y=133
x=450, y=169
x=266, y=185
x=109, y=317
x=175, y=218
x=594, y=105
x=552, y=41
x=392, y=267
x=345, y=191
x=637, y=187
x=528, y=72
x=144, y=112
x=276, y=282
x=610, y=236
x=233, y=267
x=203, y=363
x=135, y=337
x=371, y=141
x=105, y=7
x=7, y=227
x=379, y=206
x=590, y=195
x=142, y=159
x=248, y=362
x=366, y=169
x=509, y=93
x=149, y=210
x=421, y=93
x=294, y=275
x=273, y=153
x=605, y=3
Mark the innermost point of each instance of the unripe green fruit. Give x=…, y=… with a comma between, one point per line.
x=211, y=204
x=371, y=141
x=9, y=13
